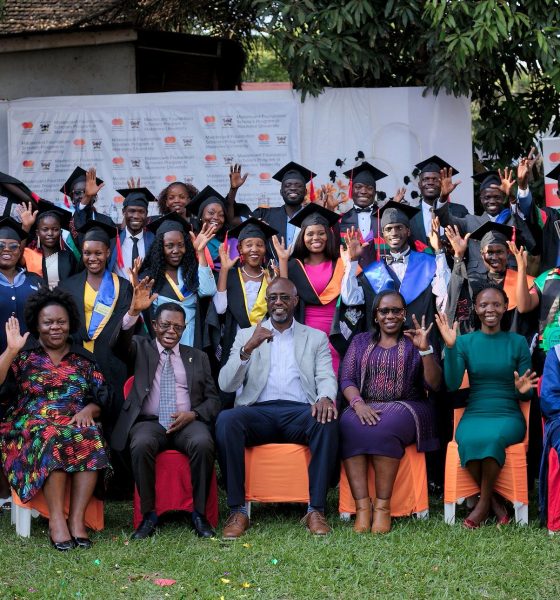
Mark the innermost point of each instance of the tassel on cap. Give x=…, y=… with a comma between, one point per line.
x=120, y=259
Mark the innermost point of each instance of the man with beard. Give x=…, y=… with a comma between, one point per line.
x=293, y=178
x=284, y=372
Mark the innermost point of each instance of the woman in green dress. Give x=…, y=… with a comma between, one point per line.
x=498, y=364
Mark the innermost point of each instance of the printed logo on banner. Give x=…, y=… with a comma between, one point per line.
x=28, y=165
x=264, y=139
x=136, y=163
x=187, y=142
x=281, y=140
x=79, y=142
x=134, y=123
x=96, y=144
x=118, y=162
x=45, y=165
x=27, y=126
x=117, y=123
x=209, y=121
x=170, y=140
x=189, y=179
x=227, y=121
x=44, y=126
x=118, y=199
x=210, y=159
x=265, y=177
x=170, y=178
x=228, y=160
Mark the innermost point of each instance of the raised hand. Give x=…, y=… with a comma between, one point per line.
x=507, y=181
x=447, y=184
x=226, y=261
x=282, y=253
x=523, y=383
x=433, y=236
x=354, y=245
x=133, y=184
x=260, y=335
x=419, y=335
x=27, y=215
x=14, y=340
x=449, y=334
x=201, y=240
x=92, y=189
x=327, y=199
x=236, y=180
x=458, y=243
x=520, y=255
x=133, y=273
x=399, y=194
x=142, y=297
x=524, y=168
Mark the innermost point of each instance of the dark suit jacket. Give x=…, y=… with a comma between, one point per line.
x=417, y=231
x=142, y=357
x=149, y=238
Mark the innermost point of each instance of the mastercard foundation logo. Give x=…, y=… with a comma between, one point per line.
x=27, y=125
x=264, y=137
x=208, y=119
x=79, y=142
x=554, y=157
x=28, y=164
x=118, y=160
x=118, y=199
x=118, y=122
x=264, y=176
x=170, y=178
x=210, y=158
x=170, y=139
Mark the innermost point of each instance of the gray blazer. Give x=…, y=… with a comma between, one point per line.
x=312, y=356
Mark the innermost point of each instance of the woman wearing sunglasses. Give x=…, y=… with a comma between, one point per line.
x=384, y=377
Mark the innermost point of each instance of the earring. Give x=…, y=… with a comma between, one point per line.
x=38, y=243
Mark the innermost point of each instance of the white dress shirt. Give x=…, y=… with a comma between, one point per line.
x=283, y=378
x=126, y=248
x=427, y=215
x=364, y=221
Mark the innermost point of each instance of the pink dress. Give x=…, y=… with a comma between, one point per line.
x=321, y=317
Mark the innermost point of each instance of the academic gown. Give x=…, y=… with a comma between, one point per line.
x=417, y=230
x=36, y=262
x=148, y=238
x=545, y=226
x=350, y=219
x=112, y=367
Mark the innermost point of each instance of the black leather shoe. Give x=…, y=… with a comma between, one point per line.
x=63, y=546
x=84, y=543
x=201, y=527
x=146, y=529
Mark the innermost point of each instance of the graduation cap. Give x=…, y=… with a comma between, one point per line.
x=493, y=233
x=252, y=228
x=100, y=229
x=203, y=199
x=363, y=173
x=314, y=214
x=293, y=170
x=136, y=197
x=15, y=191
x=50, y=209
x=555, y=173
x=10, y=229
x=169, y=222
x=487, y=179
x=435, y=164
x=78, y=174
x=396, y=212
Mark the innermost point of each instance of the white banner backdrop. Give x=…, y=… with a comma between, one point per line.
x=551, y=159
x=195, y=136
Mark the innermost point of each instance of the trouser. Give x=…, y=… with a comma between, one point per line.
x=280, y=421
x=148, y=438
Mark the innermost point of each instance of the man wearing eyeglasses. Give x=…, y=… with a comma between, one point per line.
x=172, y=405
x=282, y=373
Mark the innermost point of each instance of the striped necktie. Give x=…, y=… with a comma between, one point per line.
x=168, y=397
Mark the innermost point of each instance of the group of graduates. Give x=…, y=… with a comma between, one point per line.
x=299, y=323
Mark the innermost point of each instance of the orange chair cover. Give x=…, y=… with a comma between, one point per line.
x=94, y=517
x=410, y=493
x=277, y=473
x=553, y=504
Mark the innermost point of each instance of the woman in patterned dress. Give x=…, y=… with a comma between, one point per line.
x=55, y=394
x=384, y=378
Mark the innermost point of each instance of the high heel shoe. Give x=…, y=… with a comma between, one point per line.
x=84, y=543
x=63, y=546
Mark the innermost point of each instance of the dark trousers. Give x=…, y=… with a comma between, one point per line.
x=148, y=438
x=280, y=421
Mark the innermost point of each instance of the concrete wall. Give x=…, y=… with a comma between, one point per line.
x=106, y=68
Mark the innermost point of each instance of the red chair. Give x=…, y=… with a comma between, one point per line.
x=173, y=484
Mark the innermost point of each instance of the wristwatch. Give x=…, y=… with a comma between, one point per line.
x=430, y=350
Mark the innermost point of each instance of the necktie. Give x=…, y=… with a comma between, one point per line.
x=135, y=253
x=167, y=398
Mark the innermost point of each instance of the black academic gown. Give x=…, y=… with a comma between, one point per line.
x=417, y=230
x=111, y=366
x=545, y=226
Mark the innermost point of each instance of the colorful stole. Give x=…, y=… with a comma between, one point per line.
x=182, y=292
x=33, y=261
x=504, y=216
x=259, y=308
x=330, y=293
x=104, y=306
x=510, y=287
x=419, y=274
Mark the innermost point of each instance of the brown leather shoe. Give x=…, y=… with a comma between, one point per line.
x=381, y=516
x=236, y=525
x=362, y=524
x=316, y=523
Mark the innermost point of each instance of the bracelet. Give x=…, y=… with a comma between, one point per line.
x=243, y=354
x=430, y=350
x=355, y=400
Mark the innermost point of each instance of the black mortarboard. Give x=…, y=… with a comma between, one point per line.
x=169, y=222
x=365, y=173
x=435, y=164
x=47, y=208
x=252, y=228
x=78, y=174
x=136, y=197
x=492, y=233
x=315, y=214
x=15, y=191
x=396, y=212
x=487, y=178
x=10, y=229
x=205, y=197
x=294, y=171
x=100, y=229
x=555, y=173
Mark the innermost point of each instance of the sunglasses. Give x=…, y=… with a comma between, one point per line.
x=12, y=247
x=392, y=310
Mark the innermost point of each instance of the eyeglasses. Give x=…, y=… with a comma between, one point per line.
x=166, y=326
x=284, y=298
x=393, y=310
x=12, y=247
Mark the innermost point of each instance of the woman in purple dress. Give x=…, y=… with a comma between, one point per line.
x=384, y=378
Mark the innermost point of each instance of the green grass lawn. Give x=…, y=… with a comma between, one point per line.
x=279, y=560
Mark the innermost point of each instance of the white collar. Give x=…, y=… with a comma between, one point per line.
x=130, y=235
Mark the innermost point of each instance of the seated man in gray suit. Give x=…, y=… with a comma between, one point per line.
x=172, y=406
x=288, y=392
